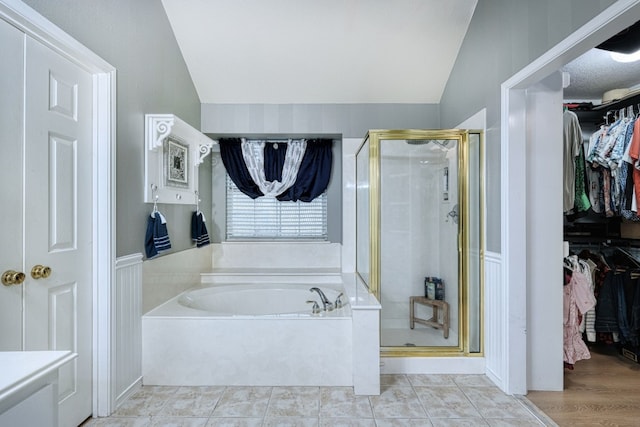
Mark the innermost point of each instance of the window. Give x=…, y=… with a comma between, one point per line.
x=269, y=219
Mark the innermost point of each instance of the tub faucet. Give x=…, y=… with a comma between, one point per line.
x=326, y=304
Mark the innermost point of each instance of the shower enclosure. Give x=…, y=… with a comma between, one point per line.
x=419, y=238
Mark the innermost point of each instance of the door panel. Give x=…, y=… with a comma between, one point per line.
x=11, y=117
x=62, y=193
x=58, y=220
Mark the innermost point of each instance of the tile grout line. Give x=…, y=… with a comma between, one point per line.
x=424, y=408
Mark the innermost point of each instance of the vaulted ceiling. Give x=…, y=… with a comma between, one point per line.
x=319, y=51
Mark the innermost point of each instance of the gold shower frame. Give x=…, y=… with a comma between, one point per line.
x=462, y=136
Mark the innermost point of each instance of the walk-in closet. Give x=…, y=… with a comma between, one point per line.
x=602, y=227
x=601, y=233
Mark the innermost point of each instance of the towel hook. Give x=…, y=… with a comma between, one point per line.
x=197, y=201
x=154, y=188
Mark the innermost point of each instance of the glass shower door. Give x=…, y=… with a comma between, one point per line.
x=419, y=238
x=419, y=226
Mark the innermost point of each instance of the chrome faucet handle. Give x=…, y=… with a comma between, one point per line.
x=339, y=303
x=315, y=309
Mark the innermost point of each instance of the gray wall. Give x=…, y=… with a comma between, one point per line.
x=504, y=37
x=347, y=120
x=136, y=38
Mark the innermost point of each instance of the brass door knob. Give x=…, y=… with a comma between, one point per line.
x=11, y=277
x=40, y=272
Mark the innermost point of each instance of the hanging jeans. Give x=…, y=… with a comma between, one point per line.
x=632, y=308
x=607, y=306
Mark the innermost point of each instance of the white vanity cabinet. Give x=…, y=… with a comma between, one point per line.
x=29, y=387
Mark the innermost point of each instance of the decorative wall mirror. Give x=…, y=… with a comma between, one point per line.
x=419, y=238
x=173, y=151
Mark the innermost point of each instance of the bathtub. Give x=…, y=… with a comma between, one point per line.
x=260, y=331
x=264, y=300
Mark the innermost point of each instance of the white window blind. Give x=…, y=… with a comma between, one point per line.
x=269, y=219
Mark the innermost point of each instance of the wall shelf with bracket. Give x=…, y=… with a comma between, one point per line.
x=173, y=151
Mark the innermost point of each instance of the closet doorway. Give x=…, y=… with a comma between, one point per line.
x=536, y=246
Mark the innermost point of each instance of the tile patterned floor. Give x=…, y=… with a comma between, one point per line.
x=405, y=400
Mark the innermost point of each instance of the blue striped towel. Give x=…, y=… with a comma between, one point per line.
x=157, y=237
x=199, y=232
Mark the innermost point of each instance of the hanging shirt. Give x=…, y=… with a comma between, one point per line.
x=572, y=140
x=577, y=299
x=634, y=154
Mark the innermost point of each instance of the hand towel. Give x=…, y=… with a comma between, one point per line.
x=199, y=232
x=157, y=237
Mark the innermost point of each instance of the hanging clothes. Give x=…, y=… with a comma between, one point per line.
x=609, y=158
x=577, y=300
x=572, y=143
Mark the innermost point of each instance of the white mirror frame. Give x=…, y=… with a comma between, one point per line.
x=169, y=140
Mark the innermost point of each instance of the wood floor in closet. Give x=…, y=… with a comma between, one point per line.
x=601, y=391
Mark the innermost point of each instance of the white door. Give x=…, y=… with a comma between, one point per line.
x=11, y=110
x=58, y=220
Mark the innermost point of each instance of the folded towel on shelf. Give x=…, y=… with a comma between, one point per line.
x=199, y=232
x=157, y=237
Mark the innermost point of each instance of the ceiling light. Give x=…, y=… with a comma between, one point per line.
x=625, y=57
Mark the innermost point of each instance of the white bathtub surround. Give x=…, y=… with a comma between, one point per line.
x=278, y=255
x=365, y=310
x=166, y=276
x=183, y=346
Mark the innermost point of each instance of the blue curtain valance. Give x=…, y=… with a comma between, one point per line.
x=312, y=178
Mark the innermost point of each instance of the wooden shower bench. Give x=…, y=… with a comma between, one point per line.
x=437, y=306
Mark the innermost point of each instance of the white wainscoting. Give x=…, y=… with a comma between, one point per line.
x=127, y=328
x=495, y=319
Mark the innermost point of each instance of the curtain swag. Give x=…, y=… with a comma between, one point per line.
x=296, y=170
